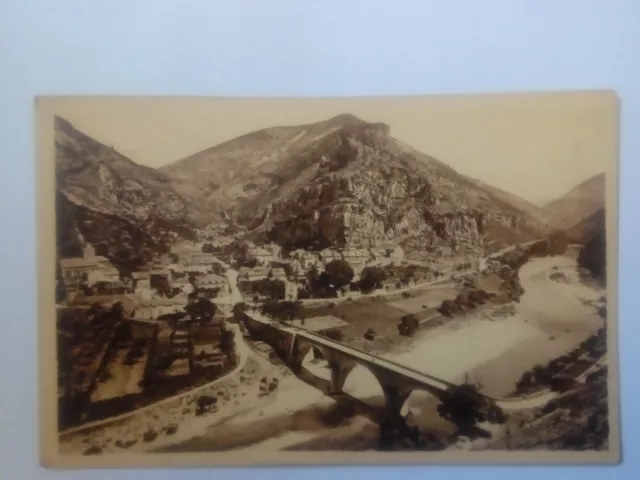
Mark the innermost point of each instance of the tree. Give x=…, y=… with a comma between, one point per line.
x=226, y=340
x=408, y=325
x=238, y=309
x=525, y=381
x=202, y=310
x=542, y=375
x=286, y=310
x=95, y=311
x=61, y=289
x=371, y=278
x=464, y=406
x=409, y=273
x=124, y=332
x=207, y=248
x=312, y=277
x=117, y=311
x=161, y=284
x=557, y=243
x=274, y=289
x=593, y=255
x=448, y=307
x=339, y=273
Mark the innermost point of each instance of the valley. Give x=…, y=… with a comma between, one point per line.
x=261, y=282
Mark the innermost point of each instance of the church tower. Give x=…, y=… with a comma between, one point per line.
x=89, y=251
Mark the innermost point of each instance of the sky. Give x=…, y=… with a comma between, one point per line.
x=536, y=146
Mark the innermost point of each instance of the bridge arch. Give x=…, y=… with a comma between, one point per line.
x=362, y=383
x=318, y=367
x=419, y=402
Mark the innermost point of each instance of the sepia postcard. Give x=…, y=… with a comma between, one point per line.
x=328, y=281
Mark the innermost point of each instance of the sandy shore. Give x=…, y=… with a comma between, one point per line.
x=492, y=352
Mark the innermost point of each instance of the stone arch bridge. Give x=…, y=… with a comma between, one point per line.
x=293, y=344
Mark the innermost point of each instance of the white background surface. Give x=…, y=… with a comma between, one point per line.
x=333, y=47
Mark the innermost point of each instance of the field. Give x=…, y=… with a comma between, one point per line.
x=125, y=369
x=381, y=314
x=429, y=299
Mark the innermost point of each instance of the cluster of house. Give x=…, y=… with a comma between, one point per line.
x=89, y=269
x=260, y=272
x=357, y=258
x=163, y=289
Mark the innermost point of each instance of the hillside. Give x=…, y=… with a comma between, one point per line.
x=592, y=234
x=347, y=182
x=243, y=167
x=107, y=199
x=580, y=202
x=588, y=227
x=526, y=207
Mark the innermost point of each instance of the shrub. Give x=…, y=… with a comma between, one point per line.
x=371, y=278
x=561, y=384
x=206, y=401
x=171, y=429
x=408, y=325
x=93, y=450
x=464, y=406
x=541, y=374
x=448, y=308
x=525, y=381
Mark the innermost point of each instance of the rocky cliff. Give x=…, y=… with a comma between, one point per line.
x=358, y=186
x=104, y=198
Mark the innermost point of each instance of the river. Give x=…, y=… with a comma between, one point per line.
x=551, y=319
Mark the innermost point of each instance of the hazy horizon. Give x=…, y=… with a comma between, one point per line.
x=537, y=147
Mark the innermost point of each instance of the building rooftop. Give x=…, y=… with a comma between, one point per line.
x=159, y=271
x=210, y=278
x=319, y=324
x=207, y=349
x=164, y=302
x=128, y=301
x=202, y=259
x=179, y=367
x=78, y=262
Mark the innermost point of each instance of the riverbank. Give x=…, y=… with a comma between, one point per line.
x=491, y=346
x=491, y=350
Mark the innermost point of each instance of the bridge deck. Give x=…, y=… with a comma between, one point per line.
x=354, y=352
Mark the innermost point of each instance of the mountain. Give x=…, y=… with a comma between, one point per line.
x=124, y=209
x=347, y=182
x=579, y=203
x=239, y=169
x=588, y=227
x=526, y=207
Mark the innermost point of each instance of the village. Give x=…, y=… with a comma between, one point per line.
x=133, y=339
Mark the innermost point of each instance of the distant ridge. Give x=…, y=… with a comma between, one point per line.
x=347, y=181
x=579, y=203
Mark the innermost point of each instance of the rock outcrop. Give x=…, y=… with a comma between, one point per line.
x=359, y=187
x=126, y=211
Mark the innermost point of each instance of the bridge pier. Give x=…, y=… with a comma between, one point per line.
x=299, y=349
x=340, y=370
x=394, y=398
